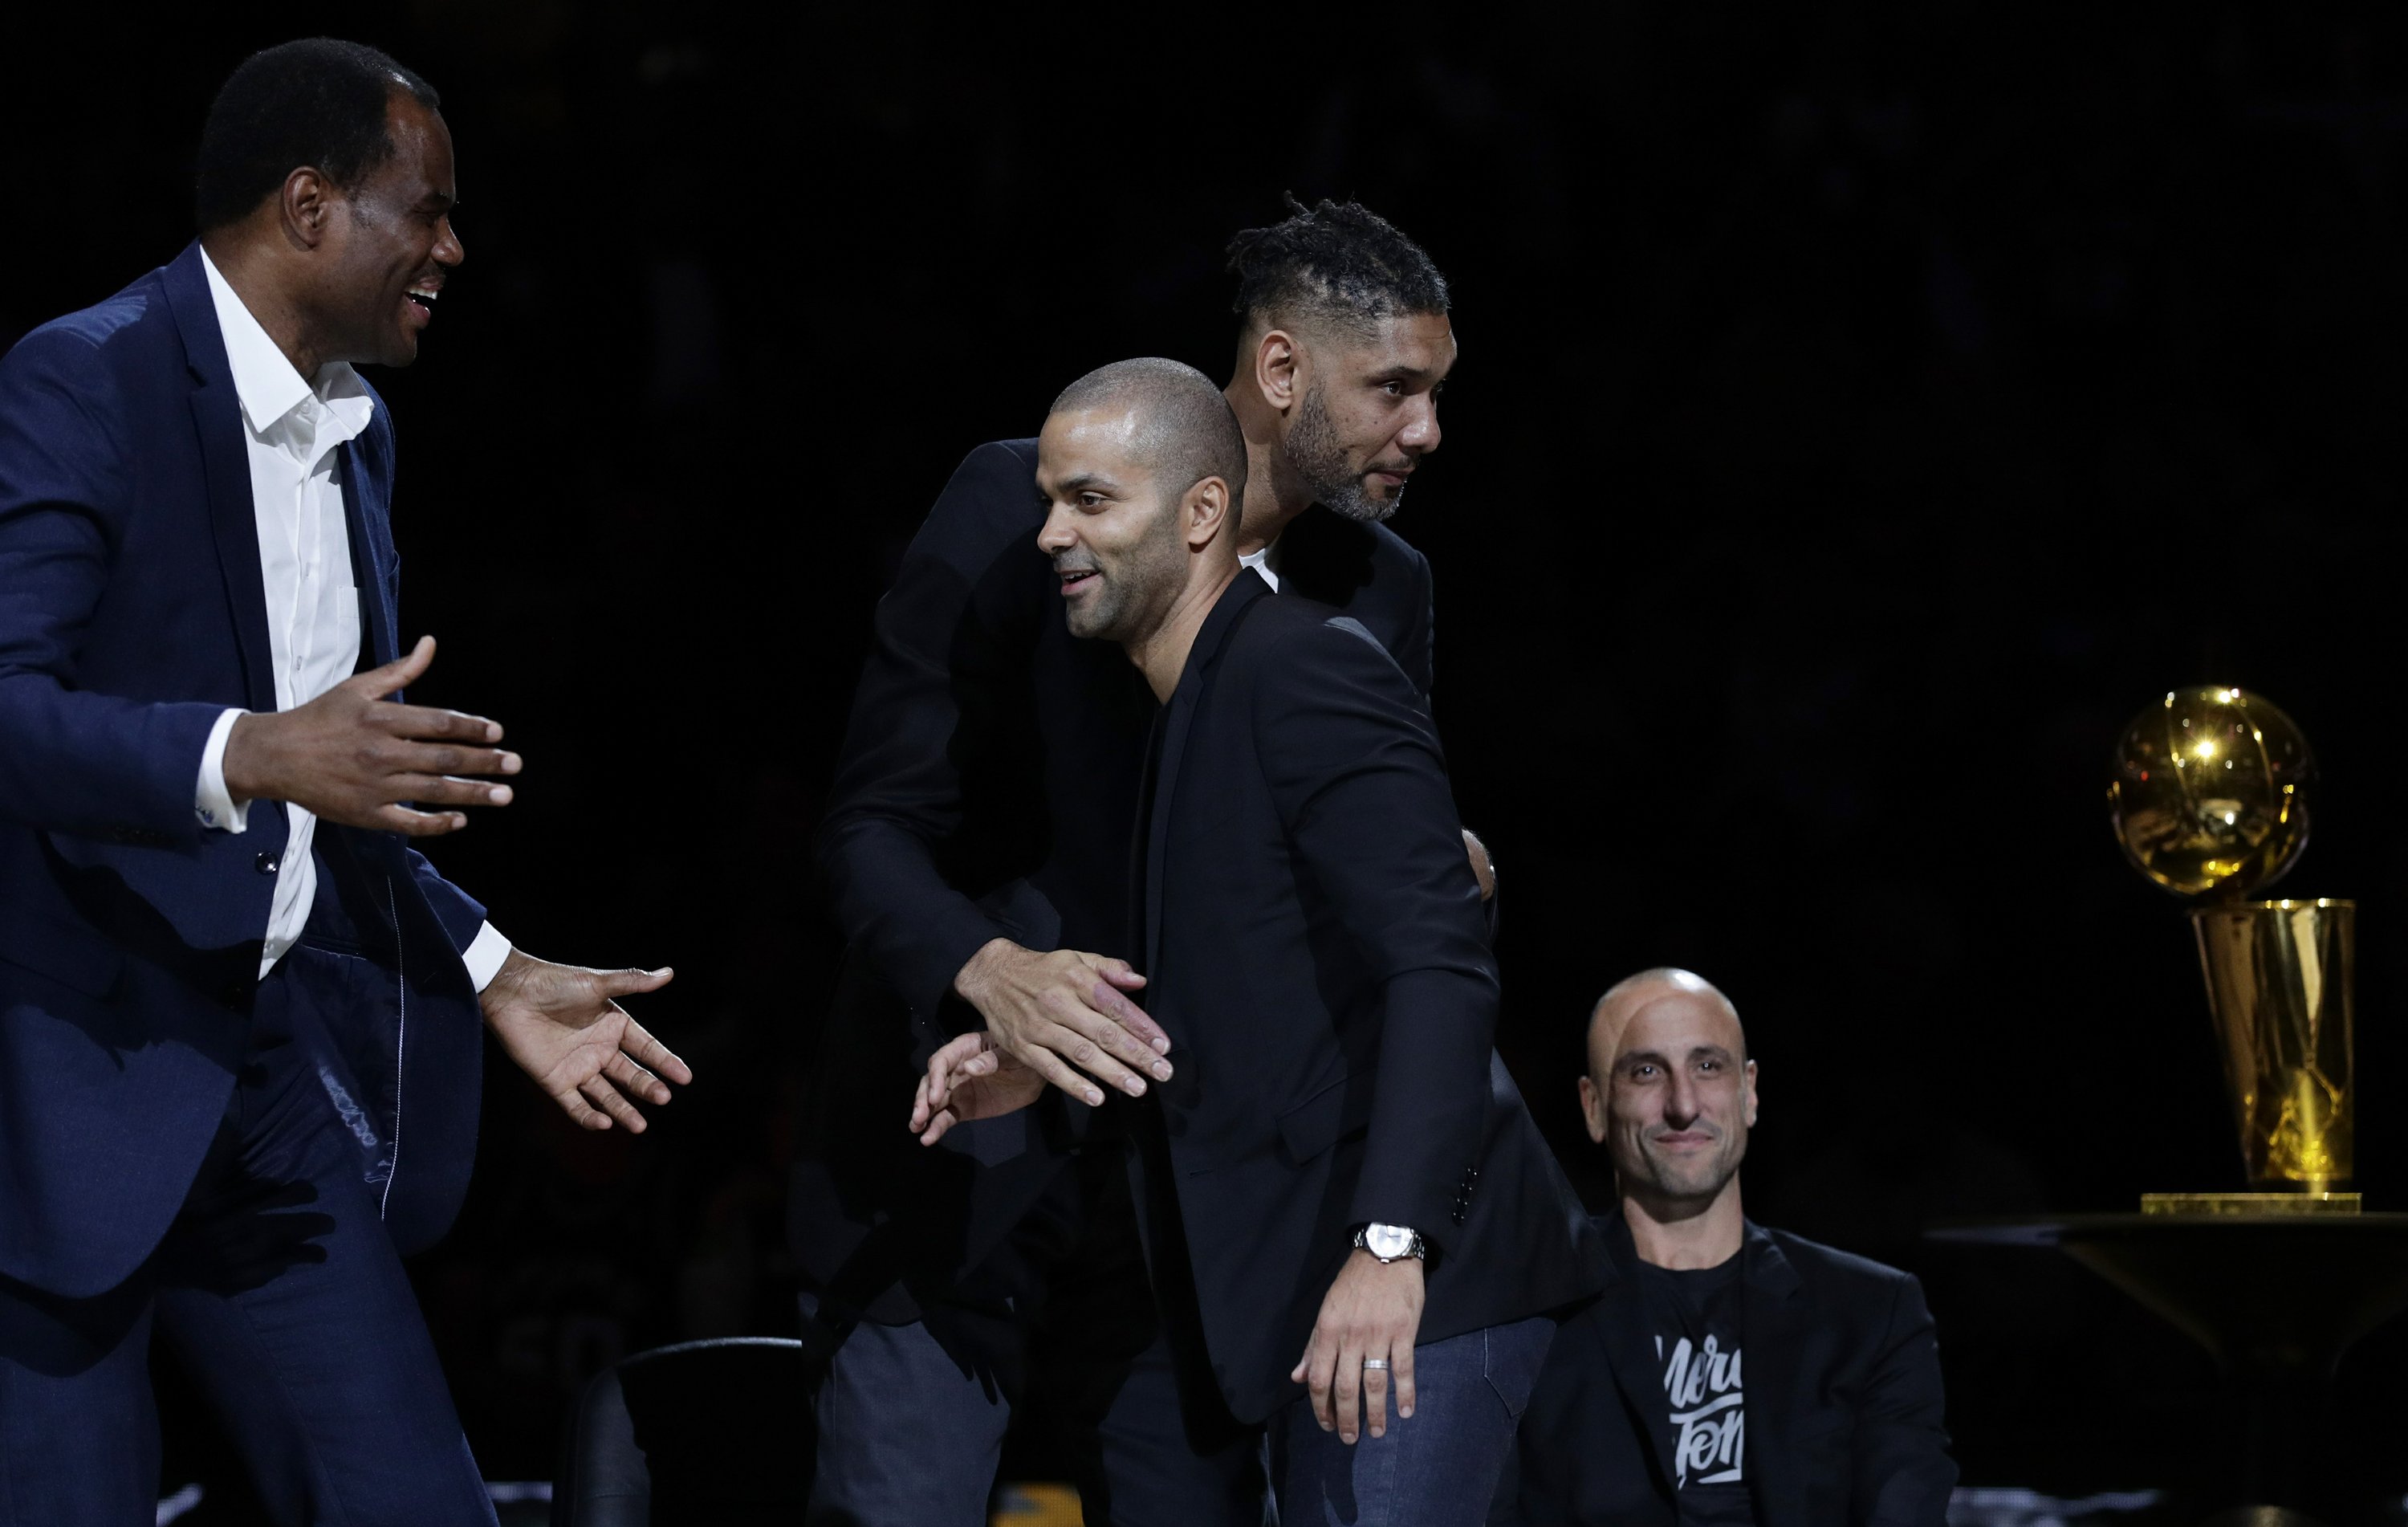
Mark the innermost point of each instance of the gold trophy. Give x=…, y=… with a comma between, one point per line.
x=2210, y=800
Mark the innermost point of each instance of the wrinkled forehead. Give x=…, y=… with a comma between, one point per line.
x=1663, y=1020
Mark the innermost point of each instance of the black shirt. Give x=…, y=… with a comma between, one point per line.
x=1694, y=1318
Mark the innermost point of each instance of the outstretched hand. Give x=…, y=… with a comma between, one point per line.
x=564, y=1026
x=353, y=757
x=1063, y=1016
x=970, y=1077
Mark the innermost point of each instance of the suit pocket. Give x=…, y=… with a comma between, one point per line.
x=1320, y=1121
x=70, y=954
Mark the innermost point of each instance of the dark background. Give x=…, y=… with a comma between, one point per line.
x=1860, y=416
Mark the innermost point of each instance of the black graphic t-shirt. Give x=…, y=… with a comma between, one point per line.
x=1694, y=1320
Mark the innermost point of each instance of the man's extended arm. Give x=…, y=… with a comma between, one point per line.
x=1904, y=1473
x=962, y=620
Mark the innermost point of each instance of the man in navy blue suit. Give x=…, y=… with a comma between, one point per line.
x=239, y=1049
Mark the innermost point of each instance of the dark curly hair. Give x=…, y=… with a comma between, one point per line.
x=1340, y=263
x=318, y=101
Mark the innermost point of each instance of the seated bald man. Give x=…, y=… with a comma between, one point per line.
x=1345, y=1199
x=1731, y=1375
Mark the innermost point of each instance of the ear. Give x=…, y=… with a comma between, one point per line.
x=1593, y=1109
x=1277, y=359
x=306, y=207
x=1206, y=511
x=1748, y=1096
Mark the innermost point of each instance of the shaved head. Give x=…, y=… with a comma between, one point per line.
x=1671, y=1094
x=1183, y=429
x=1626, y=997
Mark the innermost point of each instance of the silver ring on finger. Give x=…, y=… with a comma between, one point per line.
x=1375, y=1364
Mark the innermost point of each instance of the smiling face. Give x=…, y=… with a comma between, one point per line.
x=1111, y=527
x=1368, y=410
x=1671, y=1092
x=390, y=244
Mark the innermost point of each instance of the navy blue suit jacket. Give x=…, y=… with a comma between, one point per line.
x=131, y=613
x=1316, y=948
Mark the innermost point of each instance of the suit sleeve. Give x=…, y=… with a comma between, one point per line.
x=899, y=790
x=72, y=761
x=1361, y=788
x=463, y=915
x=1904, y=1473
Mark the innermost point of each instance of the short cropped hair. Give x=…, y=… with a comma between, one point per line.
x=1339, y=263
x=1189, y=431
x=318, y=101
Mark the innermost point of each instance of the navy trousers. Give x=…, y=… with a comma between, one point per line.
x=283, y=1297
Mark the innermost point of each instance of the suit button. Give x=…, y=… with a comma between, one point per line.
x=264, y=864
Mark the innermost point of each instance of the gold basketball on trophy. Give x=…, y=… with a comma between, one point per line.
x=2210, y=793
x=2210, y=798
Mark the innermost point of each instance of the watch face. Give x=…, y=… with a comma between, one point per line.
x=1388, y=1240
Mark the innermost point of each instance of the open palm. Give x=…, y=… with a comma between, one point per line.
x=563, y=1025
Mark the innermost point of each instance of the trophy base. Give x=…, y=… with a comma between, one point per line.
x=2250, y=1203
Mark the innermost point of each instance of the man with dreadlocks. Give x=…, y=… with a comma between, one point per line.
x=977, y=848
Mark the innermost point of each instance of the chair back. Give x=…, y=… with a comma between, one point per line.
x=715, y=1432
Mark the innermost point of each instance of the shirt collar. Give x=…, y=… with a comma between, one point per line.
x=266, y=384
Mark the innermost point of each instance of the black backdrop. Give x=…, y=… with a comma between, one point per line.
x=1859, y=417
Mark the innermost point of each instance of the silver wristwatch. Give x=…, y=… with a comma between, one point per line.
x=1390, y=1243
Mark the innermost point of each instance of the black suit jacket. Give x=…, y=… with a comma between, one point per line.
x=987, y=787
x=1844, y=1399
x=1315, y=947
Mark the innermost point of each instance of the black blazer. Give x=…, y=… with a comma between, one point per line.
x=1844, y=1399
x=1315, y=946
x=987, y=787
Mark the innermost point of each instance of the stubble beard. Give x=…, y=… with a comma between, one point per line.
x=1314, y=451
x=1128, y=606
x=1696, y=1182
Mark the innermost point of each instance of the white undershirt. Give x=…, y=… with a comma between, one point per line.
x=291, y=432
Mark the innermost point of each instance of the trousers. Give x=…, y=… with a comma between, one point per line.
x=280, y=1291
x=1062, y=1326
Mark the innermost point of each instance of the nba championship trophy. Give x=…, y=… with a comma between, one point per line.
x=2210, y=800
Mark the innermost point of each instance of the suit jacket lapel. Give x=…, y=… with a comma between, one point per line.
x=217, y=419
x=379, y=640
x=1180, y=714
x=1620, y=1324
x=1775, y=1319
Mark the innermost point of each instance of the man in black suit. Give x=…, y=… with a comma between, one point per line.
x=1646, y=1412
x=1341, y=1187
x=977, y=848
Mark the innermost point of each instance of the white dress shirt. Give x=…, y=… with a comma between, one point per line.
x=1261, y=562
x=291, y=431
